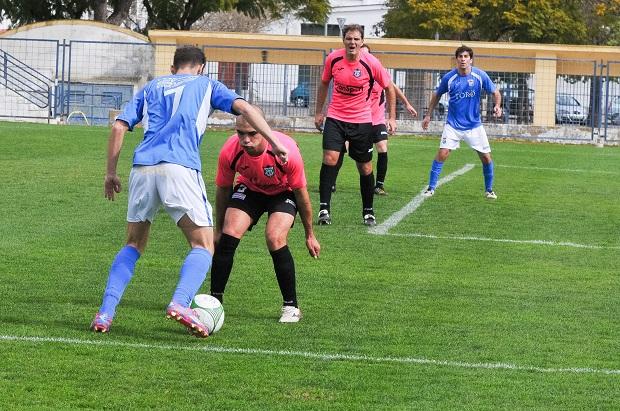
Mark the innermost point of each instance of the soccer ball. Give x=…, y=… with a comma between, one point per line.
x=210, y=311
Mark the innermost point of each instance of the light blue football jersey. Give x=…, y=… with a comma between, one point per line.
x=174, y=111
x=464, y=93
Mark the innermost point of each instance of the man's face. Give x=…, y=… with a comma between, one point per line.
x=352, y=43
x=463, y=60
x=250, y=139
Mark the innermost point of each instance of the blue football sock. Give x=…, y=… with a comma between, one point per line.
x=193, y=274
x=121, y=272
x=487, y=171
x=434, y=175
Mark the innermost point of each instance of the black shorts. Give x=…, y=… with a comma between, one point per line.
x=255, y=204
x=379, y=133
x=359, y=136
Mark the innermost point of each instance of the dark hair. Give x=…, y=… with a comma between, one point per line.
x=463, y=49
x=352, y=27
x=188, y=56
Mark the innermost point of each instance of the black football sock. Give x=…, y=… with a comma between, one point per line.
x=284, y=267
x=327, y=179
x=222, y=264
x=367, y=185
x=382, y=163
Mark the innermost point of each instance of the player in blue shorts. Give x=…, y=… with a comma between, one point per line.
x=166, y=172
x=464, y=85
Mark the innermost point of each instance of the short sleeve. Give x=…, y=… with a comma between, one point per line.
x=134, y=110
x=225, y=176
x=222, y=98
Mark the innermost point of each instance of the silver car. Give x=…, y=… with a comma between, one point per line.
x=569, y=110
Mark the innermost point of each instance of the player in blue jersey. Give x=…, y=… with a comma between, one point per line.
x=464, y=85
x=166, y=172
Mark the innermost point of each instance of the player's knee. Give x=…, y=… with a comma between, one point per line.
x=275, y=241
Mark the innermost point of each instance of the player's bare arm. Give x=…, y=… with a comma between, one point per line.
x=222, y=194
x=390, y=96
x=431, y=106
x=305, y=213
x=497, y=108
x=112, y=184
x=401, y=96
x=258, y=122
x=321, y=96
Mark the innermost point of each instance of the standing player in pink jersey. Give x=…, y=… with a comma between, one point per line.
x=264, y=184
x=349, y=117
x=379, y=130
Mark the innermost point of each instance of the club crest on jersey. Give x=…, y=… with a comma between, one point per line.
x=269, y=171
x=470, y=82
x=357, y=73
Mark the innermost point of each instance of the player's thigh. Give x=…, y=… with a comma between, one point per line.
x=450, y=138
x=182, y=192
x=143, y=199
x=380, y=136
x=282, y=212
x=478, y=140
x=334, y=135
x=360, y=141
x=236, y=222
x=248, y=206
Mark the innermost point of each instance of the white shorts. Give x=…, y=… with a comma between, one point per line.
x=180, y=190
x=476, y=138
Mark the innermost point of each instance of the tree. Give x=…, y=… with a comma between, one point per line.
x=182, y=14
x=30, y=11
x=232, y=21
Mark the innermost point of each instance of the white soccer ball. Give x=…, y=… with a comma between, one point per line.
x=210, y=311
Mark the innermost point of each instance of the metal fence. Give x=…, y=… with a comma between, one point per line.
x=49, y=80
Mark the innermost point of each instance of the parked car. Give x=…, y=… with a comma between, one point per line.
x=613, y=110
x=300, y=95
x=569, y=110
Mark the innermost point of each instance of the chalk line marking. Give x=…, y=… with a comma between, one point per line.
x=310, y=355
x=562, y=170
x=507, y=240
x=383, y=228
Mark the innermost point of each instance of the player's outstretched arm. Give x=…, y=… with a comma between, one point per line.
x=401, y=96
x=305, y=213
x=257, y=121
x=112, y=184
x=390, y=96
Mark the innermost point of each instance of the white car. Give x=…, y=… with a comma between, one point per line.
x=569, y=110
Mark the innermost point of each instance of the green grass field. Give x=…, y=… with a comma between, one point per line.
x=465, y=303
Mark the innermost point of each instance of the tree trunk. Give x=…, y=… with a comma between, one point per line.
x=120, y=13
x=100, y=8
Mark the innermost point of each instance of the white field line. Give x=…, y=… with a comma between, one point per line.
x=309, y=355
x=416, y=202
x=507, y=240
x=563, y=170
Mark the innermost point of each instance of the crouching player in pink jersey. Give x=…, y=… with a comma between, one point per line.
x=264, y=184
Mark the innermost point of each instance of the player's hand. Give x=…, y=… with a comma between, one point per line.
x=411, y=110
x=111, y=185
x=281, y=152
x=314, y=248
x=497, y=111
x=319, y=118
x=425, y=122
x=391, y=126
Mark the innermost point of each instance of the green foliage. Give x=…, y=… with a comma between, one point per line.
x=451, y=299
x=22, y=12
x=536, y=21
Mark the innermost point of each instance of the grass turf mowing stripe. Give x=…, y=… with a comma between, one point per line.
x=311, y=355
x=416, y=202
x=508, y=240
